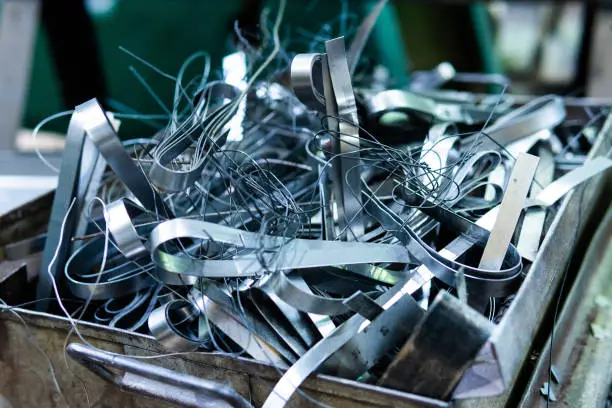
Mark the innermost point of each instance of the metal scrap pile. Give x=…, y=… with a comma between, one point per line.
x=363, y=232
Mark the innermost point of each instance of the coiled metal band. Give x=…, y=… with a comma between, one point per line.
x=121, y=228
x=121, y=278
x=165, y=332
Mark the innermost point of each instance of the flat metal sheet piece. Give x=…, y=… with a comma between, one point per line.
x=62, y=223
x=509, y=211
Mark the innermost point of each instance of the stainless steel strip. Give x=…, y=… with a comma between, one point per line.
x=346, y=142
x=166, y=334
x=279, y=253
x=121, y=228
x=509, y=211
x=533, y=222
x=102, y=133
x=307, y=80
x=85, y=282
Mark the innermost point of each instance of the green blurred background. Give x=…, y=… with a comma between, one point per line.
x=165, y=32
x=408, y=36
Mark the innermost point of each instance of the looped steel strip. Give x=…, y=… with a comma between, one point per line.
x=306, y=80
x=103, y=135
x=397, y=100
x=166, y=333
x=116, y=281
x=114, y=317
x=193, y=131
x=279, y=253
x=489, y=281
x=467, y=178
x=422, y=107
x=121, y=228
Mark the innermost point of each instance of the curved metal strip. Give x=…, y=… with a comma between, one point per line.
x=134, y=310
x=279, y=253
x=542, y=113
x=121, y=228
x=306, y=80
x=445, y=269
x=116, y=281
x=465, y=178
x=398, y=100
x=424, y=108
x=193, y=132
x=291, y=294
x=166, y=333
x=101, y=132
